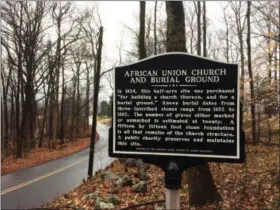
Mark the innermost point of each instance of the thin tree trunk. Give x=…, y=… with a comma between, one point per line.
x=51, y=131
x=204, y=30
x=95, y=102
x=259, y=125
x=50, y=126
x=72, y=130
x=242, y=66
x=142, y=48
x=78, y=118
x=6, y=124
x=198, y=28
x=269, y=128
x=19, y=90
x=45, y=116
x=2, y=127
x=251, y=74
x=12, y=120
x=275, y=64
x=259, y=106
x=227, y=40
x=269, y=55
x=62, y=105
x=6, y=121
x=66, y=127
x=57, y=79
x=242, y=75
x=32, y=124
x=18, y=140
x=155, y=28
x=87, y=98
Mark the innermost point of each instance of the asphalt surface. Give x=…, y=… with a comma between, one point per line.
x=33, y=187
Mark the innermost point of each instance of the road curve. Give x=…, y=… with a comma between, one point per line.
x=33, y=187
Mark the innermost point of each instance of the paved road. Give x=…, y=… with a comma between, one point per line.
x=30, y=188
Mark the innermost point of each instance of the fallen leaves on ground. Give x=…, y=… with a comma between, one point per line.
x=42, y=155
x=252, y=185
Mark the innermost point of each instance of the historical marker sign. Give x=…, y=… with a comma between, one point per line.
x=177, y=105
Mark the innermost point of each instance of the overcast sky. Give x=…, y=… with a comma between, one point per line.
x=114, y=14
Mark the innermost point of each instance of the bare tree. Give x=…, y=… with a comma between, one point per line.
x=239, y=23
x=204, y=30
x=190, y=17
x=23, y=26
x=60, y=11
x=252, y=103
x=155, y=28
x=198, y=13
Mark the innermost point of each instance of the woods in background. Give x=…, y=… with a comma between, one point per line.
x=47, y=73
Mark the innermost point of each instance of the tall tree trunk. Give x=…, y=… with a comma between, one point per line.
x=13, y=119
x=32, y=122
x=275, y=63
x=242, y=72
x=45, y=116
x=18, y=140
x=6, y=121
x=268, y=128
x=204, y=30
x=57, y=79
x=19, y=90
x=62, y=105
x=78, y=117
x=201, y=185
x=87, y=97
x=73, y=122
x=24, y=123
x=227, y=39
x=269, y=54
x=142, y=48
x=2, y=126
x=258, y=99
x=198, y=28
x=51, y=130
x=252, y=103
x=155, y=28
x=95, y=102
x=51, y=84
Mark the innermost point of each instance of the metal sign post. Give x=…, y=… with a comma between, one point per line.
x=172, y=199
x=172, y=185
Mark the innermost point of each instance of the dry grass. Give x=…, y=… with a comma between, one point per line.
x=104, y=120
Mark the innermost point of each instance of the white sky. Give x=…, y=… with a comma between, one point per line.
x=114, y=14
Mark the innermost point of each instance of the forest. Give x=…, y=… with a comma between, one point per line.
x=53, y=71
x=49, y=56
